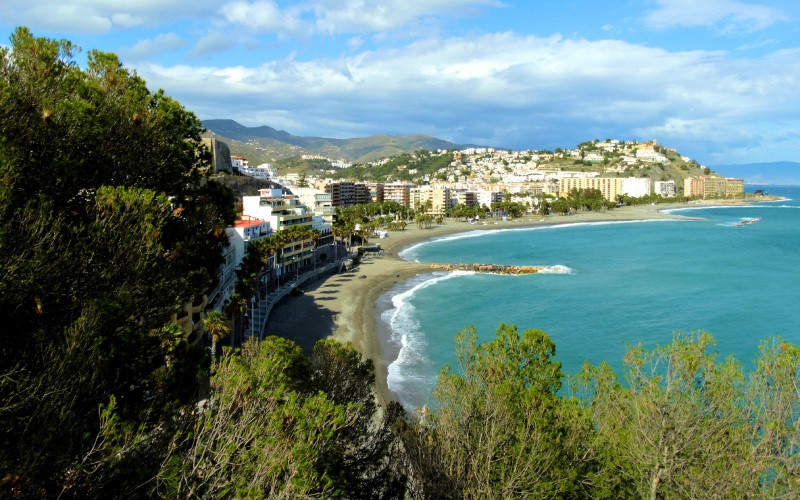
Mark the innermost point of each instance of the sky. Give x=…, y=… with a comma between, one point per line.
x=719, y=80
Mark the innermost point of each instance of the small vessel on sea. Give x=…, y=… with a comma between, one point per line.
x=745, y=222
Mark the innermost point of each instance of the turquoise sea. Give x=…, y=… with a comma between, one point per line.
x=613, y=284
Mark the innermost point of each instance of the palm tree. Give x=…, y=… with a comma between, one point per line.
x=218, y=326
x=279, y=240
x=349, y=230
x=316, y=235
x=337, y=230
x=364, y=235
x=235, y=309
x=301, y=233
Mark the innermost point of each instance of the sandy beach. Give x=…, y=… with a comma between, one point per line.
x=344, y=305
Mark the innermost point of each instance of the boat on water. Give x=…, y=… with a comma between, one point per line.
x=745, y=222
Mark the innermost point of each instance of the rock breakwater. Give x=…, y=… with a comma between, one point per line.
x=489, y=268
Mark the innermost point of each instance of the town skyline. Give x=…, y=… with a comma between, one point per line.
x=713, y=81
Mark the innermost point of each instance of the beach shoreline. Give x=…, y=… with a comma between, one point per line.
x=345, y=306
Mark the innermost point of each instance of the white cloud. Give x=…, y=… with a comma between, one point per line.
x=212, y=42
x=126, y=20
x=57, y=17
x=266, y=15
x=364, y=16
x=729, y=16
x=332, y=17
x=99, y=16
x=507, y=90
x=354, y=43
x=144, y=49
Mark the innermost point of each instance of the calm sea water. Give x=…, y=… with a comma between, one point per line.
x=620, y=284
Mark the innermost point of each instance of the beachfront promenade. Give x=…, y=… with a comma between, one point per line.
x=261, y=307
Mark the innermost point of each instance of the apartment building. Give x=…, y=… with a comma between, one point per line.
x=317, y=200
x=713, y=187
x=666, y=189
x=375, y=191
x=346, y=193
x=635, y=187
x=610, y=187
x=486, y=198
x=399, y=192
x=279, y=209
x=436, y=201
x=734, y=187
x=468, y=198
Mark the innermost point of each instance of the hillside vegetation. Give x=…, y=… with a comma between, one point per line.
x=419, y=159
x=266, y=144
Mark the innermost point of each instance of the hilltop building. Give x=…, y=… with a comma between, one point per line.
x=239, y=162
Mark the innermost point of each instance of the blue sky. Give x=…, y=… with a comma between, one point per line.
x=717, y=79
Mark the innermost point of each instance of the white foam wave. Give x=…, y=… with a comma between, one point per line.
x=557, y=269
x=405, y=330
x=410, y=252
x=703, y=207
x=707, y=207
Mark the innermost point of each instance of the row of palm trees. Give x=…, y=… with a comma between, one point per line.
x=254, y=267
x=347, y=228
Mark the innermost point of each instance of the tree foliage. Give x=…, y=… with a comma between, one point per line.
x=500, y=430
x=678, y=423
x=682, y=424
x=281, y=425
x=107, y=224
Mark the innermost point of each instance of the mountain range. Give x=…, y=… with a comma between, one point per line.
x=266, y=144
x=774, y=173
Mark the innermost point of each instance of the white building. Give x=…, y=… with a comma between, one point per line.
x=239, y=235
x=280, y=210
x=239, y=162
x=594, y=158
x=648, y=154
x=317, y=200
x=484, y=197
x=264, y=171
x=636, y=187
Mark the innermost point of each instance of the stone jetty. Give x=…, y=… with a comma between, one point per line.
x=488, y=268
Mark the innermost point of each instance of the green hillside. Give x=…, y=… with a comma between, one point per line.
x=266, y=144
